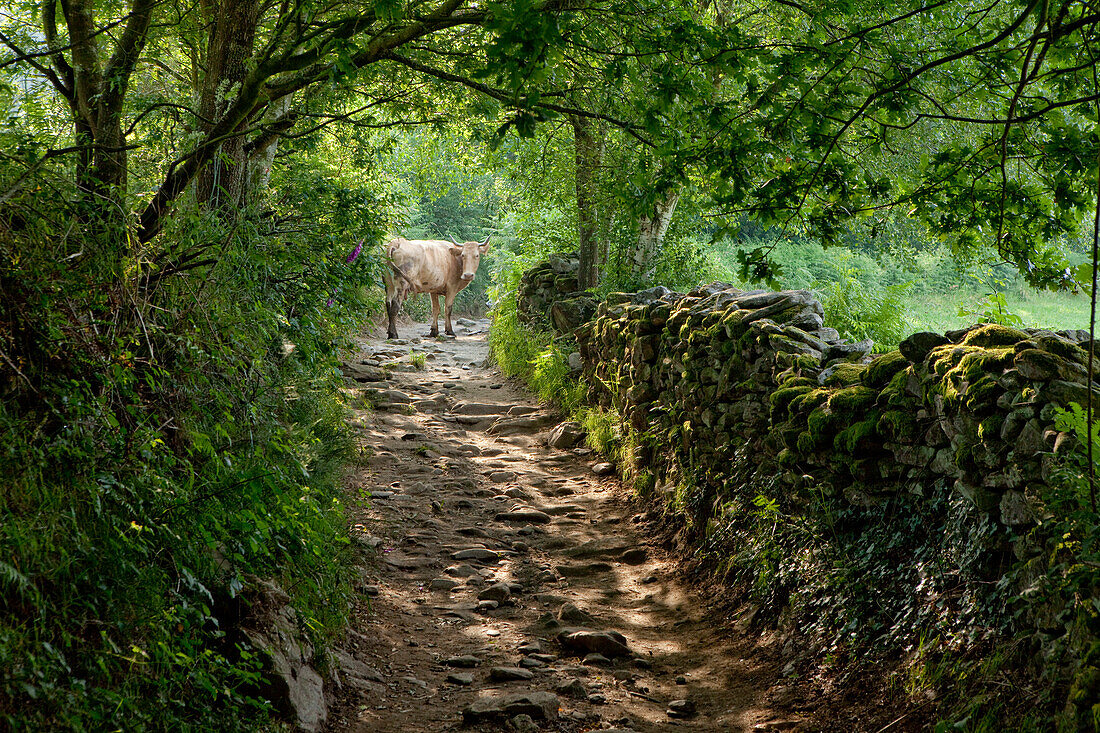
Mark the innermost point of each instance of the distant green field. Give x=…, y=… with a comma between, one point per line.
x=1056, y=311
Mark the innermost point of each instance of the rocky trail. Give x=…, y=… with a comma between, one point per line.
x=508, y=584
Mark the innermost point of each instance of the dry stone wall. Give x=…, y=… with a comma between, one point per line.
x=549, y=296
x=733, y=398
x=717, y=374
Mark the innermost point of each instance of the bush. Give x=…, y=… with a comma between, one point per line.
x=165, y=442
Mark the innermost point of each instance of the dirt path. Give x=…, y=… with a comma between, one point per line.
x=492, y=550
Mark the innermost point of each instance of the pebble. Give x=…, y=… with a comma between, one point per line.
x=492, y=633
x=371, y=590
x=637, y=556
x=531, y=663
x=595, y=660
x=460, y=678
x=530, y=647
x=597, y=698
x=681, y=680
x=500, y=477
x=486, y=606
x=462, y=571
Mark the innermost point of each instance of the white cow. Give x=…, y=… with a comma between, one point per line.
x=429, y=266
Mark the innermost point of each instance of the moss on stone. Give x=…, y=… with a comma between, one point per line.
x=806, y=443
x=980, y=362
x=982, y=393
x=782, y=398
x=855, y=437
x=879, y=371
x=898, y=425
x=1062, y=348
x=809, y=401
x=990, y=428
x=994, y=334
x=845, y=374
x=806, y=361
x=852, y=399
x=819, y=431
x=896, y=393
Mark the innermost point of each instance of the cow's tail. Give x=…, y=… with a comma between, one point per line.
x=397, y=270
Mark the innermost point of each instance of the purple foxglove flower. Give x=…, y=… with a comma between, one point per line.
x=355, y=252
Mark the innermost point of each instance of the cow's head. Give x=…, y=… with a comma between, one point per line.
x=469, y=254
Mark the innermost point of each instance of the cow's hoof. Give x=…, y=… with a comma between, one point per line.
x=392, y=335
x=450, y=333
x=434, y=332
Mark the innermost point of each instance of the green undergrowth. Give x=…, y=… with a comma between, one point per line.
x=165, y=445
x=536, y=357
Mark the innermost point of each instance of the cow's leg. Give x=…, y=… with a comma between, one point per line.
x=393, y=304
x=435, y=316
x=447, y=314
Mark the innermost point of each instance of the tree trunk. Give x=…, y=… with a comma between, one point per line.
x=261, y=151
x=652, y=227
x=96, y=92
x=220, y=184
x=588, y=152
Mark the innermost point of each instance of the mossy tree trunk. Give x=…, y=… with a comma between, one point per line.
x=588, y=142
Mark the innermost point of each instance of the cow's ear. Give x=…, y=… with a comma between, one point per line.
x=456, y=250
x=483, y=247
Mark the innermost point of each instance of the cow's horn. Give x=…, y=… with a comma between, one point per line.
x=487, y=238
x=453, y=240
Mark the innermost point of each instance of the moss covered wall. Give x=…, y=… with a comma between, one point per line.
x=705, y=373
x=725, y=394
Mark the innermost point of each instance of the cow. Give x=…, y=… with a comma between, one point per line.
x=429, y=266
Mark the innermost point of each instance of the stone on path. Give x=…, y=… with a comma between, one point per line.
x=460, y=678
x=569, y=613
x=574, y=688
x=565, y=435
x=443, y=584
x=581, y=571
x=499, y=592
x=603, y=468
x=681, y=709
x=481, y=554
x=608, y=643
x=524, y=514
x=464, y=661
x=510, y=674
x=521, y=424
x=538, y=705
